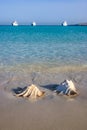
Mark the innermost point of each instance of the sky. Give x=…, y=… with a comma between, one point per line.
x=43, y=11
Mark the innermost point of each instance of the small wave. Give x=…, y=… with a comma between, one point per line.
x=29, y=68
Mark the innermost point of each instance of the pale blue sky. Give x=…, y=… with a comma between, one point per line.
x=43, y=11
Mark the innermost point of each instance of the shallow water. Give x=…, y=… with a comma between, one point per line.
x=49, y=46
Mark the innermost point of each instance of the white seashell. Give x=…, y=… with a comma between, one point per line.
x=67, y=88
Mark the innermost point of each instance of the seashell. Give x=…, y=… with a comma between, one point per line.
x=67, y=88
x=31, y=91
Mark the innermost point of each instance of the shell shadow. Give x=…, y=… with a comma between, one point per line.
x=51, y=87
x=18, y=90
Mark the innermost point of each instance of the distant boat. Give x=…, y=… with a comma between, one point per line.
x=33, y=24
x=15, y=23
x=64, y=23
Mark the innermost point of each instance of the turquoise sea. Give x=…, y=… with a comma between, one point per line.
x=43, y=47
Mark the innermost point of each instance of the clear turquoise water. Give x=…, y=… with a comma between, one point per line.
x=43, y=45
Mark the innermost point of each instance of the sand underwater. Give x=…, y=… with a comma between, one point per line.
x=51, y=112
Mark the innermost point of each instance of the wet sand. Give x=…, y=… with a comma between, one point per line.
x=51, y=112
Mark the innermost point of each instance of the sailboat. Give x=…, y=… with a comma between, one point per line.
x=15, y=23
x=33, y=24
x=64, y=23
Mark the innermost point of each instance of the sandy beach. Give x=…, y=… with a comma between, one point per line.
x=51, y=112
x=43, y=52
